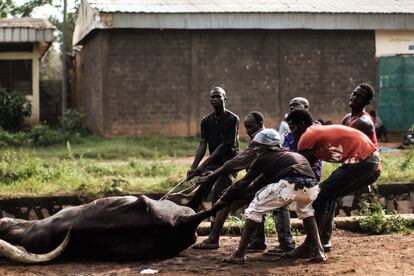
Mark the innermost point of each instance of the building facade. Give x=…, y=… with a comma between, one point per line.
x=144, y=69
x=23, y=41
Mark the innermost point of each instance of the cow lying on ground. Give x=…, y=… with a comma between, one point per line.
x=113, y=228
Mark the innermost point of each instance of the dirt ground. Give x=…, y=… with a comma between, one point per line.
x=353, y=254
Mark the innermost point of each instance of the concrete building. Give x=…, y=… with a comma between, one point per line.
x=146, y=67
x=23, y=41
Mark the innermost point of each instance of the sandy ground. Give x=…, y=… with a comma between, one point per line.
x=353, y=254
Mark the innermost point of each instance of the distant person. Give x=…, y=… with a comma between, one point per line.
x=283, y=128
x=219, y=132
x=379, y=126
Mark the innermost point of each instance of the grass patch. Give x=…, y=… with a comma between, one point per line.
x=396, y=168
x=100, y=166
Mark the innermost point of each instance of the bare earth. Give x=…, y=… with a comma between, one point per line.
x=353, y=254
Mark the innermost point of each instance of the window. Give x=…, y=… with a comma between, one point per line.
x=16, y=75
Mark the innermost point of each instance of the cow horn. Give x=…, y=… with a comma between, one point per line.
x=12, y=252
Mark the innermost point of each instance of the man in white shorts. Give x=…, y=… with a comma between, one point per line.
x=287, y=177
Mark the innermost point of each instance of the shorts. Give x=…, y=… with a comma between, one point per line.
x=277, y=195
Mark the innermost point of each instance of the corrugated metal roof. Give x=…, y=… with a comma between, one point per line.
x=244, y=14
x=26, y=30
x=26, y=22
x=253, y=6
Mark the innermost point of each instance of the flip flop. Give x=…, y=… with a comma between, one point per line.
x=232, y=260
x=203, y=245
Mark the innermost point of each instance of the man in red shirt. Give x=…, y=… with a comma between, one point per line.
x=338, y=144
x=359, y=118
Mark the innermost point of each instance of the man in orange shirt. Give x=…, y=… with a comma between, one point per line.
x=337, y=144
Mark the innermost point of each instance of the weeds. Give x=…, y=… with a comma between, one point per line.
x=375, y=221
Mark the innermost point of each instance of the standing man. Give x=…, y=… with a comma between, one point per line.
x=361, y=120
x=337, y=144
x=218, y=131
x=288, y=178
x=253, y=124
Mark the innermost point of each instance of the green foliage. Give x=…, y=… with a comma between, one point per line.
x=72, y=121
x=408, y=161
x=6, y=7
x=43, y=135
x=375, y=221
x=14, y=107
x=27, y=8
x=12, y=139
x=234, y=221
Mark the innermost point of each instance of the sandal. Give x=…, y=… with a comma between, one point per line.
x=205, y=245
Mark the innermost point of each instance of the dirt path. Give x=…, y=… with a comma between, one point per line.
x=353, y=254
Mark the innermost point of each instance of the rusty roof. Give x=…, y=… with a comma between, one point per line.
x=26, y=22
x=254, y=6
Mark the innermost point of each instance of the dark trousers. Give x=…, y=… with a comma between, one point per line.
x=281, y=217
x=346, y=179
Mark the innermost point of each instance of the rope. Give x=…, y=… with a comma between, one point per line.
x=176, y=186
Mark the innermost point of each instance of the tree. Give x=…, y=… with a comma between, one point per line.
x=9, y=7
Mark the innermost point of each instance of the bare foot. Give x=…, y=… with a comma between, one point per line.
x=235, y=259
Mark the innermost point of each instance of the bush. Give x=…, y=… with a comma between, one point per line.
x=376, y=222
x=72, y=121
x=12, y=139
x=43, y=135
x=14, y=107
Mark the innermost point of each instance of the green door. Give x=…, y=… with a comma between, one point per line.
x=396, y=95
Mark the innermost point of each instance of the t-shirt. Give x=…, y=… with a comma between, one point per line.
x=221, y=130
x=278, y=163
x=336, y=143
x=271, y=166
x=291, y=143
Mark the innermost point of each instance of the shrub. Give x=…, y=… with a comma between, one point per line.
x=376, y=222
x=14, y=107
x=43, y=135
x=72, y=121
x=12, y=139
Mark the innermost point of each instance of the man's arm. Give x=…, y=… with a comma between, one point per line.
x=234, y=191
x=308, y=154
x=200, y=152
x=241, y=161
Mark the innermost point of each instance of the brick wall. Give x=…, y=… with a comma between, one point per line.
x=89, y=80
x=157, y=81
